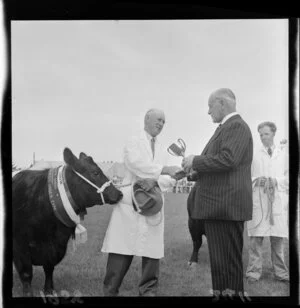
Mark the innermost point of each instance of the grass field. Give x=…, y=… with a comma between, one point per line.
x=84, y=269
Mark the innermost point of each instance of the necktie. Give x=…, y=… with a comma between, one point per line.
x=152, y=146
x=270, y=151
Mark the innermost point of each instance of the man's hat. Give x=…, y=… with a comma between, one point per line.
x=147, y=201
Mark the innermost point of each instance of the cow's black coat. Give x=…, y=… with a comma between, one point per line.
x=196, y=228
x=39, y=238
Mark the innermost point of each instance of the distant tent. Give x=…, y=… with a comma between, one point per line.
x=42, y=164
x=110, y=169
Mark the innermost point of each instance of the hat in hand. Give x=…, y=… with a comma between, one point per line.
x=147, y=197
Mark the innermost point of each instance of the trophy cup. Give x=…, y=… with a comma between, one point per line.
x=178, y=149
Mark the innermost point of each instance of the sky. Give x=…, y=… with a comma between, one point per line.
x=86, y=85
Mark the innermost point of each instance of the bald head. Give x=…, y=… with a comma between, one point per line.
x=221, y=102
x=154, y=121
x=227, y=97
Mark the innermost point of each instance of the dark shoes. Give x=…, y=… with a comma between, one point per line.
x=287, y=280
x=251, y=280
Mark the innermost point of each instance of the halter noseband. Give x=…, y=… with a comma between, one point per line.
x=100, y=190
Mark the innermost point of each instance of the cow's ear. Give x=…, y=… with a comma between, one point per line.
x=82, y=155
x=70, y=158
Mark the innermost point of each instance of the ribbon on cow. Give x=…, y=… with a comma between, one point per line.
x=63, y=204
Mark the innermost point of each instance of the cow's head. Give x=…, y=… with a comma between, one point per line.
x=86, y=166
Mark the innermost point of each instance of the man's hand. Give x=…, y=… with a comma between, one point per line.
x=275, y=184
x=147, y=184
x=171, y=170
x=262, y=181
x=187, y=163
x=192, y=176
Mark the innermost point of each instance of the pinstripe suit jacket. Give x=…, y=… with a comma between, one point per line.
x=223, y=189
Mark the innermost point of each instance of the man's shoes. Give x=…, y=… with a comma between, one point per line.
x=283, y=279
x=251, y=280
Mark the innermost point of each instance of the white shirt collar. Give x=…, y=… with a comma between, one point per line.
x=228, y=116
x=149, y=137
x=265, y=149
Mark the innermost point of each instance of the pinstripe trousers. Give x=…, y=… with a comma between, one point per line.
x=225, y=245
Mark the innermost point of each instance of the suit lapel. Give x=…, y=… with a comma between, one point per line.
x=217, y=132
x=214, y=136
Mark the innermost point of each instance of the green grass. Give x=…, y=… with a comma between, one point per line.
x=84, y=269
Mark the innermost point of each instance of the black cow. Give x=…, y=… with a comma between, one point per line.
x=39, y=237
x=196, y=226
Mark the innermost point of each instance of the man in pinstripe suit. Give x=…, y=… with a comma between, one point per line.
x=222, y=196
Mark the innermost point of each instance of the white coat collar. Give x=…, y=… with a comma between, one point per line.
x=275, y=149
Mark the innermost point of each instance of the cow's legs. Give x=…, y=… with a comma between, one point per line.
x=48, y=288
x=196, y=246
x=196, y=230
x=22, y=261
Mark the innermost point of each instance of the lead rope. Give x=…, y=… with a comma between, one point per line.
x=100, y=190
x=269, y=190
x=122, y=185
x=105, y=185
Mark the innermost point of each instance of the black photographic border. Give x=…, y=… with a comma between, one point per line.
x=95, y=10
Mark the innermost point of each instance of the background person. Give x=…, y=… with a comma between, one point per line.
x=130, y=233
x=270, y=205
x=222, y=194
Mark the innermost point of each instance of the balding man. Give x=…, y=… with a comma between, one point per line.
x=222, y=195
x=129, y=232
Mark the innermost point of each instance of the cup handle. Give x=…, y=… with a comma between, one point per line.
x=182, y=143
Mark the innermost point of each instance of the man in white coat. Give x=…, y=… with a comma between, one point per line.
x=130, y=233
x=270, y=205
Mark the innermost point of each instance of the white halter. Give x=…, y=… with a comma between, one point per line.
x=100, y=190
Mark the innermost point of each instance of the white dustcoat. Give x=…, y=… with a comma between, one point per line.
x=129, y=232
x=276, y=167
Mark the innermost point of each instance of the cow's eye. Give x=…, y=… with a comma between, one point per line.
x=96, y=172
